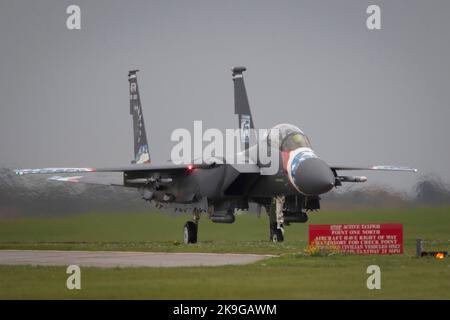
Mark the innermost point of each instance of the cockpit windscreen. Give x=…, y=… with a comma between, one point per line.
x=289, y=138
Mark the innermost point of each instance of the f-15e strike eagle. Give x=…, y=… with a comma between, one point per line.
x=220, y=188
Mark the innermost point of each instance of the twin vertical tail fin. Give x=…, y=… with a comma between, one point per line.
x=241, y=106
x=141, y=153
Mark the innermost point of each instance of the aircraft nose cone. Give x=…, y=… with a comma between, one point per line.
x=313, y=177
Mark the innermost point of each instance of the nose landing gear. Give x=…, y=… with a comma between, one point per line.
x=276, y=233
x=276, y=219
x=280, y=216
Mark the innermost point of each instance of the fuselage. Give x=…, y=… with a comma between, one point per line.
x=299, y=172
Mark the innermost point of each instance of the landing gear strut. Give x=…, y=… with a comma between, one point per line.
x=191, y=228
x=277, y=220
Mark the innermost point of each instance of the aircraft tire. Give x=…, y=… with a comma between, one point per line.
x=278, y=236
x=190, y=232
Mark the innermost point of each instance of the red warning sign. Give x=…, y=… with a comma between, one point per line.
x=358, y=238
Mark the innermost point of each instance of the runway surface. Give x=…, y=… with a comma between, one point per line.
x=110, y=259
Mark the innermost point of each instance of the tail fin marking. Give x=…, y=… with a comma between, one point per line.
x=141, y=151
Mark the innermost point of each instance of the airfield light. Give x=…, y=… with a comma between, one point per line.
x=440, y=255
x=437, y=254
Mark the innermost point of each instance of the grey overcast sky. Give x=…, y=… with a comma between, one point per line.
x=363, y=97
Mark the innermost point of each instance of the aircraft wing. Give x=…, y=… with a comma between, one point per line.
x=109, y=176
x=130, y=168
x=379, y=168
x=106, y=179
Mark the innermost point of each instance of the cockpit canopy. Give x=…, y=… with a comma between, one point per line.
x=289, y=138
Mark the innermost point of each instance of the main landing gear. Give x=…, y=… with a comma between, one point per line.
x=191, y=228
x=190, y=232
x=277, y=220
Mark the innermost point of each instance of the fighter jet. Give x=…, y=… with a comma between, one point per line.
x=219, y=188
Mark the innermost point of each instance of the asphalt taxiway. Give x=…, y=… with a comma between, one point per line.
x=111, y=259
